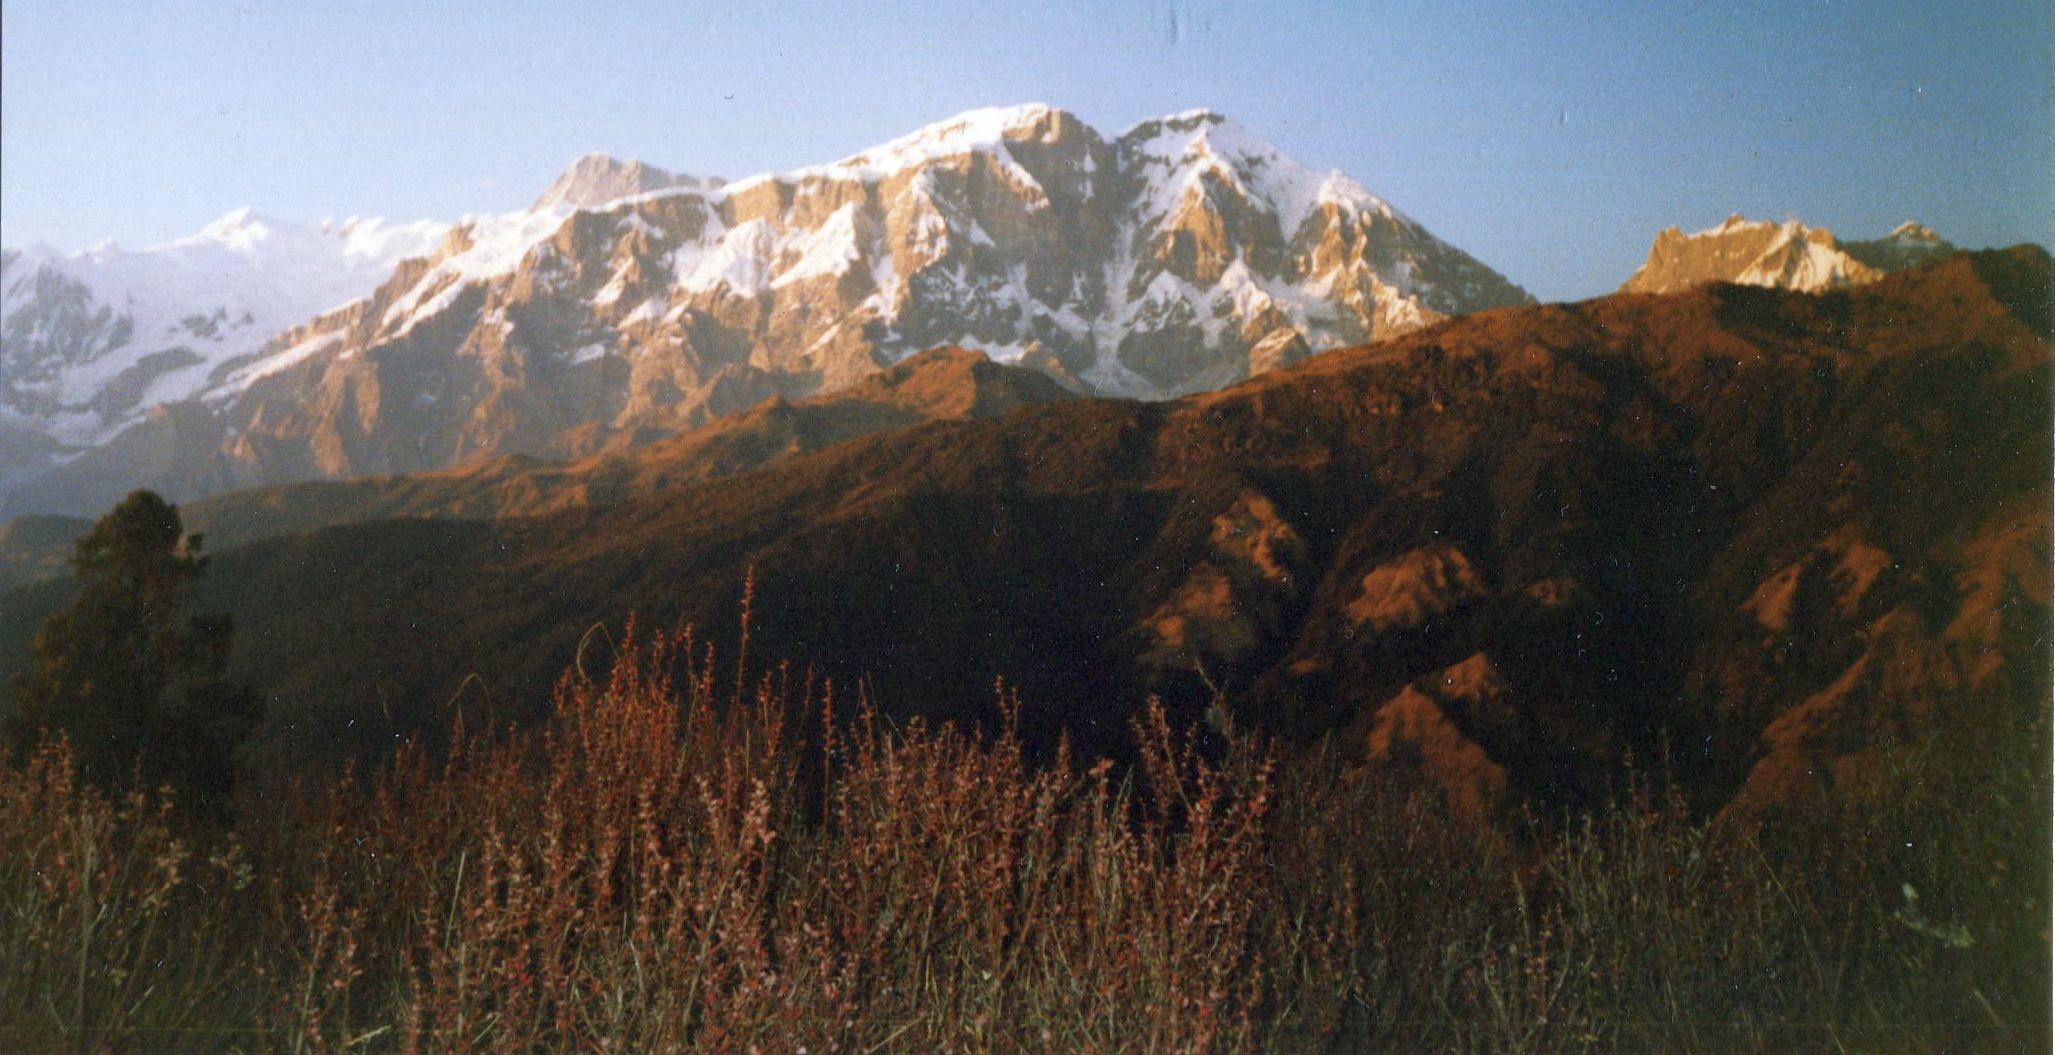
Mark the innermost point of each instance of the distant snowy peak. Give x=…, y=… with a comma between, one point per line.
x=1787, y=255
x=597, y=179
x=1913, y=232
x=1908, y=245
x=243, y=228
x=90, y=341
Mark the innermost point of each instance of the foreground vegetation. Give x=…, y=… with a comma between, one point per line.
x=682, y=863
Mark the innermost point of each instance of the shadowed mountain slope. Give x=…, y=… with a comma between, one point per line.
x=943, y=383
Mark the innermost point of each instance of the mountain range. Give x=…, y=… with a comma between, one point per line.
x=628, y=302
x=1753, y=534
x=1010, y=398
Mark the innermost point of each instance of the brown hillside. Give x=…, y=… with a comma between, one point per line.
x=943, y=383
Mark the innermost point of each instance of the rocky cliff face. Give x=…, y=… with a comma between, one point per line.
x=1789, y=255
x=1181, y=255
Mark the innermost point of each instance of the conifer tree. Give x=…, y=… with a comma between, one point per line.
x=136, y=682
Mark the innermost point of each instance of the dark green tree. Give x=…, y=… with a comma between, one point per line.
x=136, y=682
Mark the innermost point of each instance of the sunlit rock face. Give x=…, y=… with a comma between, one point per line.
x=1786, y=255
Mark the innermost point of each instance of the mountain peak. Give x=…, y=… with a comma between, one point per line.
x=240, y=228
x=971, y=131
x=597, y=178
x=1185, y=149
x=1184, y=121
x=236, y=217
x=1733, y=223
x=1908, y=245
x=974, y=124
x=1787, y=255
x=240, y=219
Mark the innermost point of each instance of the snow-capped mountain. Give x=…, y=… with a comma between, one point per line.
x=1180, y=255
x=1786, y=255
x=90, y=342
x=1908, y=245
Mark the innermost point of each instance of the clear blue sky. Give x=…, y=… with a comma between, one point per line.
x=1551, y=140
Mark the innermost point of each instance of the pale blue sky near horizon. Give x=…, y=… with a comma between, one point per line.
x=1549, y=139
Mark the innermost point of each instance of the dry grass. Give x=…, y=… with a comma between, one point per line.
x=685, y=862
